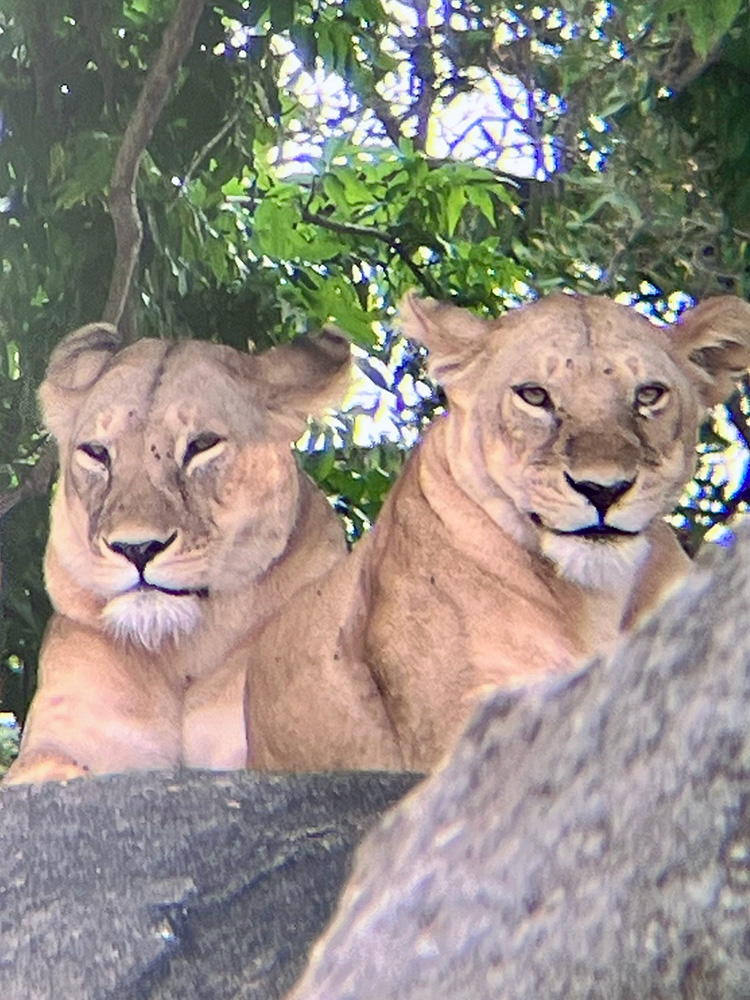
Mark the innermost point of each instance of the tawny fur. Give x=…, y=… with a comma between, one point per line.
x=187, y=445
x=472, y=577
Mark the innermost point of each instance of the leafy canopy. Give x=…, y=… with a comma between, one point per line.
x=320, y=157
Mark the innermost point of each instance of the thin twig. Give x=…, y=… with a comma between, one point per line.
x=176, y=41
x=211, y=144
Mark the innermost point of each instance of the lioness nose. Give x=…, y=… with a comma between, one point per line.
x=600, y=496
x=141, y=553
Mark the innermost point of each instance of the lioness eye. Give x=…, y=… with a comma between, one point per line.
x=199, y=444
x=96, y=451
x=650, y=395
x=534, y=395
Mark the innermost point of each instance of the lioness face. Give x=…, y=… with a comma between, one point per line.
x=177, y=480
x=594, y=435
x=579, y=412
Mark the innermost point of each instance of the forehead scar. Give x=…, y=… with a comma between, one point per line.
x=586, y=322
x=159, y=374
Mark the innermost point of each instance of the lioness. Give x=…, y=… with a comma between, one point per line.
x=179, y=525
x=524, y=534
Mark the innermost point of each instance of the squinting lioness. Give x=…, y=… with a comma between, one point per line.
x=524, y=534
x=179, y=525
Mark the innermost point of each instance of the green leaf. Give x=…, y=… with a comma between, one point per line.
x=275, y=229
x=454, y=206
x=480, y=197
x=235, y=187
x=357, y=192
x=335, y=190
x=304, y=40
x=709, y=21
x=369, y=10
x=256, y=12
x=320, y=463
x=613, y=199
x=281, y=13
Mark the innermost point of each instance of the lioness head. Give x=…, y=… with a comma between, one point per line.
x=574, y=420
x=177, y=481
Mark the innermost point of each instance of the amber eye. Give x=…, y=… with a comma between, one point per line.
x=651, y=394
x=96, y=451
x=199, y=444
x=534, y=395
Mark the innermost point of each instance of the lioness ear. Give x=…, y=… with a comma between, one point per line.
x=74, y=365
x=452, y=336
x=714, y=338
x=305, y=377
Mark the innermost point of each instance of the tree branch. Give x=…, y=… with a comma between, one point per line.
x=369, y=232
x=177, y=39
x=423, y=69
x=381, y=109
x=89, y=14
x=36, y=483
x=681, y=65
x=210, y=145
x=45, y=65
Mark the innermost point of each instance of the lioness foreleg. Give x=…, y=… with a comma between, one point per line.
x=101, y=707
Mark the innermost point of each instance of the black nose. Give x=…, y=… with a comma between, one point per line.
x=600, y=496
x=141, y=553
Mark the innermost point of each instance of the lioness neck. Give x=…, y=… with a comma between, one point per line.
x=234, y=617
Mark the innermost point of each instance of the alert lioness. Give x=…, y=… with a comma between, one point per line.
x=525, y=532
x=180, y=523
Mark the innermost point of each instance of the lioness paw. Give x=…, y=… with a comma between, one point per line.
x=38, y=768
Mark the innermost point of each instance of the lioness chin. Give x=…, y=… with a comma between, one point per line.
x=179, y=525
x=524, y=534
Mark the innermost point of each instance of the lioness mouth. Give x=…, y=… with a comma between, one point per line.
x=599, y=531
x=594, y=532
x=201, y=592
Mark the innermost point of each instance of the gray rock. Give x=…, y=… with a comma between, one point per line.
x=588, y=840
x=173, y=886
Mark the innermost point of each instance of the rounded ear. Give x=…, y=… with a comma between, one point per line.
x=453, y=336
x=74, y=365
x=713, y=339
x=303, y=378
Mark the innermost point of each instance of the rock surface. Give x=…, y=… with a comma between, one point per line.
x=174, y=886
x=588, y=840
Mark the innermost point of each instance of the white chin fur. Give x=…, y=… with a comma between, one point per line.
x=150, y=618
x=599, y=565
